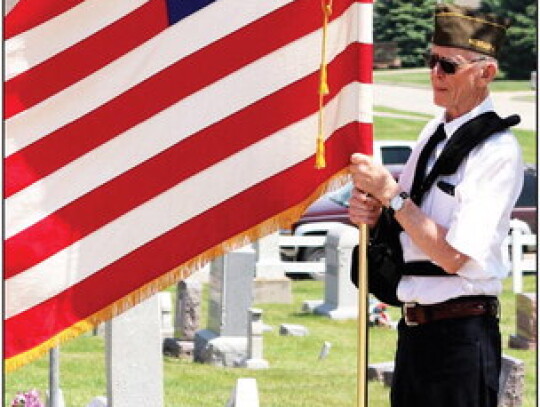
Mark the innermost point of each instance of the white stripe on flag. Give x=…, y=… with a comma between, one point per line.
x=38, y=44
x=296, y=60
x=171, y=208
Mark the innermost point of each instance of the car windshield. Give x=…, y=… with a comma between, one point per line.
x=395, y=155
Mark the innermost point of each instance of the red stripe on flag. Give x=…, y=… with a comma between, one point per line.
x=29, y=328
x=84, y=58
x=172, y=166
x=134, y=106
x=28, y=14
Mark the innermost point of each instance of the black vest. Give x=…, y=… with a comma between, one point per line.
x=385, y=255
x=462, y=142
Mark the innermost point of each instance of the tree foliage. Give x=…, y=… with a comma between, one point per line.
x=408, y=23
x=519, y=54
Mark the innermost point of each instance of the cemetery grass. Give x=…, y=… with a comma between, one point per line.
x=391, y=128
x=420, y=78
x=296, y=377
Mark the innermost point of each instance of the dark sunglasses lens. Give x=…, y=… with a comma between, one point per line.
x=447, y=66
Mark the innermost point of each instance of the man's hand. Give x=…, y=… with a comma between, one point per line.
x=373, y=178
x=363, y=208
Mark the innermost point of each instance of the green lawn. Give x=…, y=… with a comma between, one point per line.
x=296, y=377
x=390, y=128
x=421, y=79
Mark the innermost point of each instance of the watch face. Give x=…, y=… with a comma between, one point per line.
x=397, y=203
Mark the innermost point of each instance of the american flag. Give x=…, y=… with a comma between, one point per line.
x=145, y=137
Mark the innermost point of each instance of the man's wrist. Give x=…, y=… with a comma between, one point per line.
x=397, y=202
x=392, y=192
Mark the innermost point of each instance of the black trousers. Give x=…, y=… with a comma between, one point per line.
x=448, y=363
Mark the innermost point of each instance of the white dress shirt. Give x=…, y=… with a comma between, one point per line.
x=487, y=185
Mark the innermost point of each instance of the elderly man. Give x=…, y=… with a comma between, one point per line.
x=452, y=223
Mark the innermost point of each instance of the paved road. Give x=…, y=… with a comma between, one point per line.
x=420, y=100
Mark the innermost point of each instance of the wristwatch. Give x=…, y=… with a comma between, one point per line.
x=396, y=203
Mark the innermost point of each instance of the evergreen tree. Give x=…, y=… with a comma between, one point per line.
x=519, y=53
x=409, y=23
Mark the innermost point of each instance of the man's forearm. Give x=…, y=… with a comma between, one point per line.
x=430, y=237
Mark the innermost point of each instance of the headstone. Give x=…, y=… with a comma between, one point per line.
x=511, y=382
x=165, y=311
x=254, y=359
x=526, y=322
x=270, y=284
x=171, y=347
x=340, y=294
x=376, y=370
x=230, y=292
x=310, y=305
x=177, y=348
x=293, y=330
x=133, y=356
x=224, y=343
x=325, y=350
x=188, y=309
x=244, y=394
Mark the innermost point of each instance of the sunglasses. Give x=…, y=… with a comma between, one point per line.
x=448, y=66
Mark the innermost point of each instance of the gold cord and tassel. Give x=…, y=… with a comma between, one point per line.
x=320, y=161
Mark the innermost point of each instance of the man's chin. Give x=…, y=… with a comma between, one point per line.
x=439, y=101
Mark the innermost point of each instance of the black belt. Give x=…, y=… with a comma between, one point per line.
x=418, y=314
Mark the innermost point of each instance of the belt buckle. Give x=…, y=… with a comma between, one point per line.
x=406, y=306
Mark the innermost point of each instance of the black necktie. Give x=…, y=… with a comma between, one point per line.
x=421, y=165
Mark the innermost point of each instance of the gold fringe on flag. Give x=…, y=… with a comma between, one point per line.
x=179, y=273
x=320, y=161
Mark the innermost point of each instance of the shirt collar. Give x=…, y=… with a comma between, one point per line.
x=452, y=126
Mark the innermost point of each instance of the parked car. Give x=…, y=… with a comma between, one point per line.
x=324, y=213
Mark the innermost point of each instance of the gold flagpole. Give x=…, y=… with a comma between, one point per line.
x=362, y=354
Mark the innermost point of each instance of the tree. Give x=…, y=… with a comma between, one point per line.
x=519, y=53
x=407, y=23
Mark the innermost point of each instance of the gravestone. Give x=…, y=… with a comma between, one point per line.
x=188, y=309
x=244, y=394
x=270, y=284
x=526, y=322
x=293, y=330
x=340, y=294
x=133, y=356
x=511, y=382
x=187, y=318
x=376, y=370
x=254, y=359
x=224, y=342
x=165, y=308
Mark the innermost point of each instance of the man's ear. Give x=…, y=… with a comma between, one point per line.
x=489, y=71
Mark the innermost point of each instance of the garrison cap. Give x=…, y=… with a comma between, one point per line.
x=467, y=28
